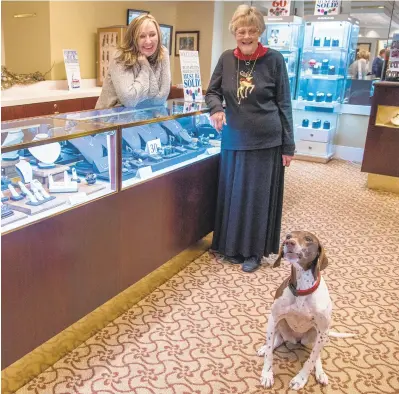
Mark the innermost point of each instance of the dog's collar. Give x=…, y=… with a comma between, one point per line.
x=298, y=293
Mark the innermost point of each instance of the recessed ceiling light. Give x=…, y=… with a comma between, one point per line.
x=381, y=6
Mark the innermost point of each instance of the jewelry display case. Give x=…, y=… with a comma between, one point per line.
x=285, y=34
x=329, y=47
x=41, y=164
x=157, y=140
x=60, y=264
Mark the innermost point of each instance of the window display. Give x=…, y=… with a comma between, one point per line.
x=285, y=34
x=329, y=47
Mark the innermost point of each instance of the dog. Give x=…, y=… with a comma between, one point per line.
x=301, y=312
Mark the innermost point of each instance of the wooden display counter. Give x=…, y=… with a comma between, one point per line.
x=381, y=154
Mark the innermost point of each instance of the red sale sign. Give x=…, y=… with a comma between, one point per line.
x=280, y=8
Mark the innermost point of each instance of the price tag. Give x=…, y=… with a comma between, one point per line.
x=152, y=146
x=144, y=172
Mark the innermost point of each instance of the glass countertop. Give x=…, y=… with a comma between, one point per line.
x=25, y=133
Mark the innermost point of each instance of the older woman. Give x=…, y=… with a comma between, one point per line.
x=139, y=73
x=257, y=142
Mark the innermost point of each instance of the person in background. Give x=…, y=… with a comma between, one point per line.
x=257, y=142
x=359, y=68
x=378, y=62
x=139, y=74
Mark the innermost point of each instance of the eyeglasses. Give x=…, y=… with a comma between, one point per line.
x=240, y=33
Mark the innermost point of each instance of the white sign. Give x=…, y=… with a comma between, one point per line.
x=152, y=146
x=327, y=7
x=191, y=75
x=72, y=68
x=280, y=8
x=394, y=55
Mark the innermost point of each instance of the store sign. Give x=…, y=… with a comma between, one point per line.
x=327, y=7
x=394, y=54
x=72, y=68
x=280, y=8
x=191, y=75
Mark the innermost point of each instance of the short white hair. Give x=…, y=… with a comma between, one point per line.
x=247, y=16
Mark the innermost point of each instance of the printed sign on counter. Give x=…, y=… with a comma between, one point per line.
x=72, y=68
x=327, y=7
x=191, y=75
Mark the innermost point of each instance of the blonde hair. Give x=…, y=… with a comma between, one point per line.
x=247, y=16
x=363, y=54
x=129, y=49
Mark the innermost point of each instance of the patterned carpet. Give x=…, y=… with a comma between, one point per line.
x=199, y=332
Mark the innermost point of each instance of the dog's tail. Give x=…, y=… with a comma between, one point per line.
x=334, y=334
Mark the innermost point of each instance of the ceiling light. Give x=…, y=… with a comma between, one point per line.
x=381, y=6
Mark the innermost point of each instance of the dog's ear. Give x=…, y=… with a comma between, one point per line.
x=322, y=261
x=279, y=257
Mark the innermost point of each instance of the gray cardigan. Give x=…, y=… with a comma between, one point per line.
x=131, y=87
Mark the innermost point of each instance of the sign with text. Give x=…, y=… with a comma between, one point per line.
x=72, y=68
x=152, y=146
x=280, y=8
x=191, y=75
x=327, y=7
x=394, y=55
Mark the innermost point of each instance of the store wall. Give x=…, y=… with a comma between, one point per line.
x=192, y=15
x=74, y=25
x=26, y=40
x=352, y=131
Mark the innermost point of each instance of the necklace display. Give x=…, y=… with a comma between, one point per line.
x=245, y=83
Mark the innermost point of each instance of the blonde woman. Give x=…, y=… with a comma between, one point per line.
x=139, y=73
x=257, y=142
x=359, y=68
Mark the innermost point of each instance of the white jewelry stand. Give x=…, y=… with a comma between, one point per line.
x=15, y=196
x=45, y=154
x=25, y=170
x=37, y=185
x=28, y=193
x=67, y=186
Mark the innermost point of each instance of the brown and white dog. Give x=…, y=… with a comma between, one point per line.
x=301, y=312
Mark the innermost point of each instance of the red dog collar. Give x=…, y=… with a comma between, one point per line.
x=299, y=293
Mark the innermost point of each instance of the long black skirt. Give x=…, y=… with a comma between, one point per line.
x=250, y=203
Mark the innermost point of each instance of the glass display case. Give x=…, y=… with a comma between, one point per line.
x=329, y=47
x=42, y=164
x=285, y=34
x=50, y=164
x=159, y=139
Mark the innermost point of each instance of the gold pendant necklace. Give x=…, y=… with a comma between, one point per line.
x=245, y=84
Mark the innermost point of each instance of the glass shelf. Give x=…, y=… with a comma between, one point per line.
x=324, y=49
x=326, y=77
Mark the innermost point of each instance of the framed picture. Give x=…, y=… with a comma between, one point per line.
x=167, y=34
x=363, y=46
x=133, y=14
x=187, y=41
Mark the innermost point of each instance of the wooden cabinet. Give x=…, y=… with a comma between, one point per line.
x=47, y=108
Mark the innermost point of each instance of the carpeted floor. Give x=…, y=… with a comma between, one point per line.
x=199, y=332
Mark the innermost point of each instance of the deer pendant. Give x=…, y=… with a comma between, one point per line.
x=246, y=86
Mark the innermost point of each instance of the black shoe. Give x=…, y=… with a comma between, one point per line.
x=234, y=259
x=251, y=264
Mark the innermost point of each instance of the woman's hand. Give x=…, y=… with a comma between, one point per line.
x=218, y=119
x=143, y=60
x=287, y=160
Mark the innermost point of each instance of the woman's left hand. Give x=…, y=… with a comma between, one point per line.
x=287, y=160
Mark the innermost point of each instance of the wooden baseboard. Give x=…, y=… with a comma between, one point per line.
x=315, y=159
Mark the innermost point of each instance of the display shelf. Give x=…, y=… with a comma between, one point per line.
x=284, y=48
x=302, y=104
x=324, y=49
x=324, y=77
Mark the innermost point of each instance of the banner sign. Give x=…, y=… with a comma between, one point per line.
x=191, y=75
x=280, y=8
x=393, y=64
x=327, y=7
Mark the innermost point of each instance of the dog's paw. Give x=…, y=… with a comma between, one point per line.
x=298, y=382
x=321, y=377
x=267, y=379
x=261, y=352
